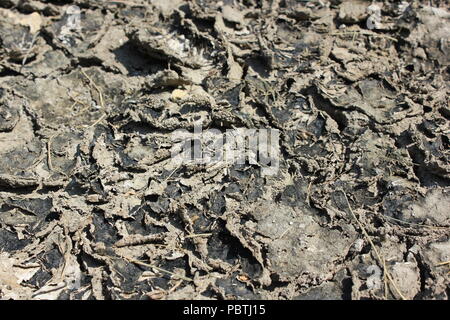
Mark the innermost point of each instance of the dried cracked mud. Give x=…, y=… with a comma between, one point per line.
x=92, y=207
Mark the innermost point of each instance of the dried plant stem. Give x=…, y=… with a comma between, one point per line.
x=102, y=104
x=363, y=32
x=132, y=260
x=377, y=253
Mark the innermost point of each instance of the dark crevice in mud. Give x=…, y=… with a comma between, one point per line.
x=52, y=216
x=86, y=260
x=87, y=62
x=427, y=109
x=445, y=112
x=347, y=287
x=203, y=25
x=7, y=4
x=35, y=121
x=142, y=128
x=324, y=105
x=24, y=61
x=426, y=175
x=60, y=2
x=259, y=64
x=424, y=272
x=19, y=190
x=321, y=212
x=264, y=108
x=422, y=127
x=136, y=62
x=49, y=189
x=235, y=252
x=7, y=72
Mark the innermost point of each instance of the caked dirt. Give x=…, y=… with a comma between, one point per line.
x=92, y=207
